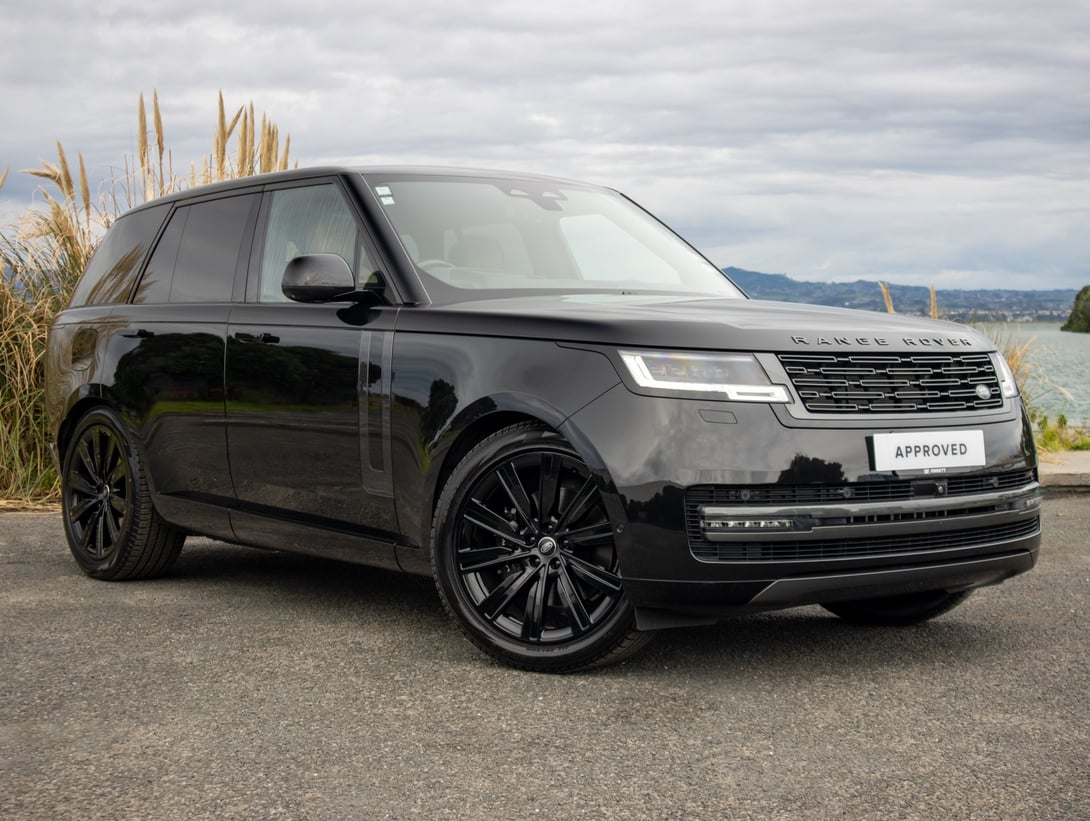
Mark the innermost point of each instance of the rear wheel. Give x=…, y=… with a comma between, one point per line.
x=524, y=556
x=113, y=530
x=897, y=611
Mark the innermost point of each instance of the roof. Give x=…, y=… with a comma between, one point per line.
x=256, y=181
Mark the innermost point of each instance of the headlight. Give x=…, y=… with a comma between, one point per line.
x=1006, y=377
x=738, y=377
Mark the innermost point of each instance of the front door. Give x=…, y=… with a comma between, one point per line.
x=301, y=382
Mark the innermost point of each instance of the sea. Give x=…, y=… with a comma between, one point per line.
x=1060, y=367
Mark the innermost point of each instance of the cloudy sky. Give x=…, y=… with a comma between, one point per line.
x=918, y=142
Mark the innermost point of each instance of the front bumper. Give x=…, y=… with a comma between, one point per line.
x=722, y=507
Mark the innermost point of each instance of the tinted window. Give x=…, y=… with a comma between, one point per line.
x=208, y=252
x=112, y=270
x=155, y=284
x=311, y=220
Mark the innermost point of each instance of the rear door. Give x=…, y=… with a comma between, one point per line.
x=169, y=378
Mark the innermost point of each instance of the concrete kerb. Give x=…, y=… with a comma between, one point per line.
x=1065, y=472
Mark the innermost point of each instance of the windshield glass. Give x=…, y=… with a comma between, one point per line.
x=500, y=234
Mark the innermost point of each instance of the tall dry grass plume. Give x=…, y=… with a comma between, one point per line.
x=886, y=298
x=40, y=261
x=258, y=149
x=43, y=254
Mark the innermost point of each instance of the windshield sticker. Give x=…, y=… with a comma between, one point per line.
x=383, y=190
x=387, y=200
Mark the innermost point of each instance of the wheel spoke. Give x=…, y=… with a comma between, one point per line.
x=579, y=504
x=488, y=520
x=80, y=485
x=117, y=504
x=512, y=485
x=110, y=458
x=591, y=535
x=493, y=605
x=100, y=534
x=548, y=482
x=96, y=455
x=87, y=460
x=533, y=621
x=113, y=522
x=78, y=511
x=594, y=575
x=573, y=603
x=119, y=473
x=87, y=533
x=476, y=559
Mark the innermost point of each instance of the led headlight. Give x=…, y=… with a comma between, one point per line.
x=738, y=377
x=1006, y=377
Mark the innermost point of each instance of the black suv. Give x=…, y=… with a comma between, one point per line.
x=534, y=391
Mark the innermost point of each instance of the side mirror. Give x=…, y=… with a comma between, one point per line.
x=326, y=278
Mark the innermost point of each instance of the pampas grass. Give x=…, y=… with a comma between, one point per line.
x=44, y=253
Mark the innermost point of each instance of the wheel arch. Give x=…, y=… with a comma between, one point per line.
x=79, y=403
x=481, y=419
x=82, y=401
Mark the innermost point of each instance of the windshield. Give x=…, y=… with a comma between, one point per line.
x=500, y=234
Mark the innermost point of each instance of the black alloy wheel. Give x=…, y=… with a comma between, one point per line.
x=99, y=493
x=898, y=611
x=525, y=557
x=113, y=530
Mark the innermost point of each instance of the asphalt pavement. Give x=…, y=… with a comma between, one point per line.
x=251, y=684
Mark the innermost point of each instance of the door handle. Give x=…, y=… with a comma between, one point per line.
x=264, y=337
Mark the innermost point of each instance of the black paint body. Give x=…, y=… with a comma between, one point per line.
x=330, y=428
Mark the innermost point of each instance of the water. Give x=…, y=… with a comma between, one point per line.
x=1061, y=363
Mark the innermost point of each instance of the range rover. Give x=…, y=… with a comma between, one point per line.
x=532, y=390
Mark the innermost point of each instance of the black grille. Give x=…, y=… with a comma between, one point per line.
x=894, y=383
x=884, y=491
x=823, y=549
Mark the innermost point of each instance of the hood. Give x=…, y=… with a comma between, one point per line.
x=683, y=321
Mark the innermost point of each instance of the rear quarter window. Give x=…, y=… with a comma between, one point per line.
x=114, y=266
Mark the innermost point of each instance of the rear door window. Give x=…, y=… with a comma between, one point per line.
x=208, y=253
x=196, y=257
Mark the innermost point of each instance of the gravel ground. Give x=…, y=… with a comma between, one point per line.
x=263, y=685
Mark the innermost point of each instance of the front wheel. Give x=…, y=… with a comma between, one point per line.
x=524, y=556
x=898, y=611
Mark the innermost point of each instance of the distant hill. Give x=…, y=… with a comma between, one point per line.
x=960, y=305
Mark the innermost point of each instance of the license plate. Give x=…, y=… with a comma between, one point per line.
x=929, y=450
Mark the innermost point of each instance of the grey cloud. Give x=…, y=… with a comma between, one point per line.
x=822, y=140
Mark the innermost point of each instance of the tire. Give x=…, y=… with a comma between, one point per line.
x=898, y=611
x=533, y=585
x=113, y=530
